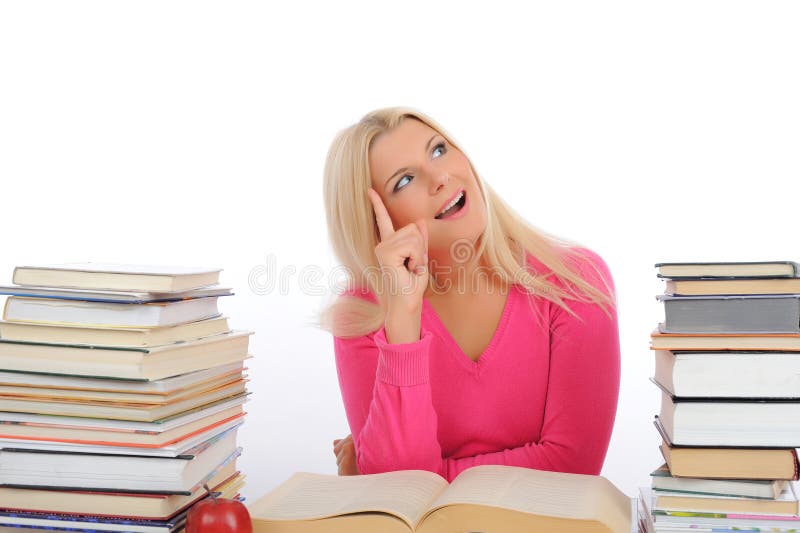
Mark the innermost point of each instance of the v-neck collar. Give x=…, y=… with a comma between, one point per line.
x=485, y=357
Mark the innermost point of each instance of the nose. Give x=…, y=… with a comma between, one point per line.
x=439, y=179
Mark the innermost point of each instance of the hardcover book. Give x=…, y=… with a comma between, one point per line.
x=728, y=374
x=107, y=276
x=779, y=313
x=768, y=489
x=660, y=340
x=729, y=463
x=755, y=269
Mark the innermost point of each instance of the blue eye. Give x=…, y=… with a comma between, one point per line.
x=439, y=147
x=397, y=185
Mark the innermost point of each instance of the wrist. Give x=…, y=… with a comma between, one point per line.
x=403, y=327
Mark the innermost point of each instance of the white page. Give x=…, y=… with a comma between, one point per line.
x=538, y=492
x=406, y=494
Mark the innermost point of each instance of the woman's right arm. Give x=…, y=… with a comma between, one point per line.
x=387, y=398
x=384, y=376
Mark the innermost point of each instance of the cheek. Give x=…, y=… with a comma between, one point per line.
x=404, y=212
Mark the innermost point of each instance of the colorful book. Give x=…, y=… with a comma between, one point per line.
x=692, y=521
x=226, y=481
x=11, y=432
x=183, y=474
x=786, y=503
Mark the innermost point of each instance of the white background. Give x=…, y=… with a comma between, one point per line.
x=194, y=133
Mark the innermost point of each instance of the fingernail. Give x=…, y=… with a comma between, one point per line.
x=419, y=270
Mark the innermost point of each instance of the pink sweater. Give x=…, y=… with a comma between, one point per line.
x=542, y=395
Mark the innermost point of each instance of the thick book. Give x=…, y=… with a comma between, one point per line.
x=21, y=467
x=729, y=463
x=30, y=521
x=108, y=314
x=160, y=387
x=129, y=297
x=133, y=363
x=140, y=413
x=758, y=423
x=729, y=374
x=660, y=340
x=174, y=449
x=83, y=395
x=753, y=269
x=78, y=394
x=89, y=434
x=226, y=481
x=722, y=522
x=777, y=313
x=786, y=503
x=124, y=277
x=104, y=424
x=770, y=489
x=482, y=498
x=70, y=334
x=708, y=287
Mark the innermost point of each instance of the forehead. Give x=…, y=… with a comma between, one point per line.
x=398, y=148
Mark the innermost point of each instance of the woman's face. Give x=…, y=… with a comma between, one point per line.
x=417, y=173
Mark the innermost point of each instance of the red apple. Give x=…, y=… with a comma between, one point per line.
x=218, y=515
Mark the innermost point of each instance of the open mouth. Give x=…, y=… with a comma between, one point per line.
x=453, y=209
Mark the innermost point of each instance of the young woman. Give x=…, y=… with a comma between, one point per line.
x=465, y=336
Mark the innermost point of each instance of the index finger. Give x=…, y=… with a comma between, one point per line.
x=423, y=228
x=385, y=226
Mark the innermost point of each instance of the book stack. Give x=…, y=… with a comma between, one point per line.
x=121, y=393
x=728, y=368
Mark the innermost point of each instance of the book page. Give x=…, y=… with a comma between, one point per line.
x=553, y=494
x=405, y=494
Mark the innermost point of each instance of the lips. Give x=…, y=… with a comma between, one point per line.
x=455, y=210
x=448, y=202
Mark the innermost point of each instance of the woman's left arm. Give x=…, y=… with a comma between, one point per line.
x=582, y=393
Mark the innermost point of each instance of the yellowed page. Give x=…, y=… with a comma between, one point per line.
x=538, y=492
x=405, y=494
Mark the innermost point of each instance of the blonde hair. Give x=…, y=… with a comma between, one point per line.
x=503, y=245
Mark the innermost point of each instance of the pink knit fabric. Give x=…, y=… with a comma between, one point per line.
x=542, y=395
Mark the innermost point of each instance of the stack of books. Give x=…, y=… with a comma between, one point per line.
x=728, y=367
x=121, y=393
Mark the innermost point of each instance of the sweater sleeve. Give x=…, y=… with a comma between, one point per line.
x=582, y=393
x=387, y=398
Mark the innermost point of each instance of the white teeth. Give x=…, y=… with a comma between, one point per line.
x=451, y=204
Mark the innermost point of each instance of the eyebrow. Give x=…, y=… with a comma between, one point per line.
x=404, y=169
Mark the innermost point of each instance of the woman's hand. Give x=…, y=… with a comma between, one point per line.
x=345, y=452
x=403, y=257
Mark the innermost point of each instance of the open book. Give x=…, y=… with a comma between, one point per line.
x=482, y=498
